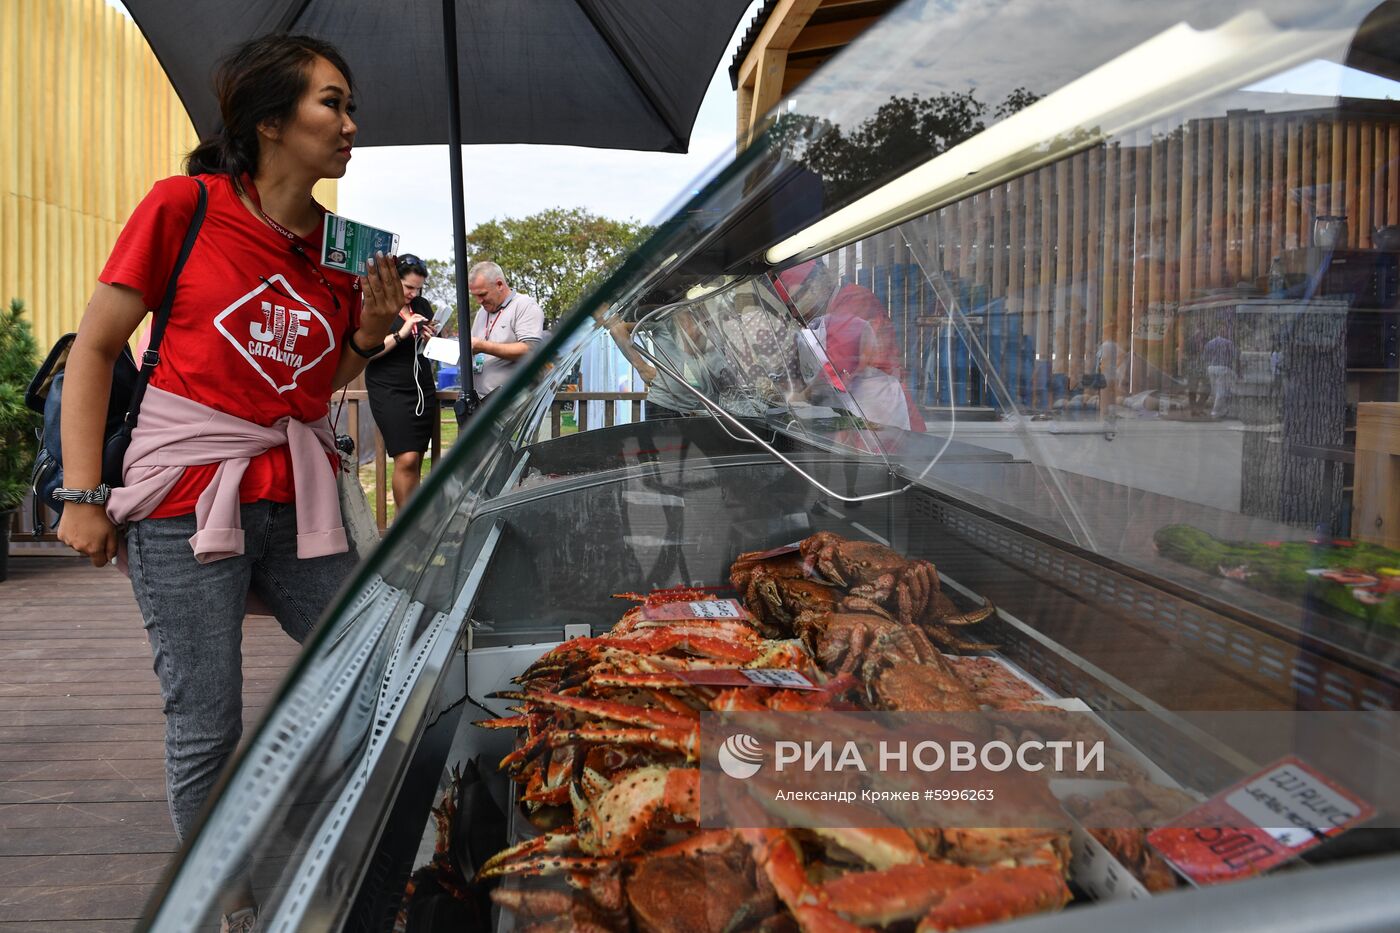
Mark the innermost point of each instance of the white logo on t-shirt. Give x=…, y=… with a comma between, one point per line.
x=276, y=331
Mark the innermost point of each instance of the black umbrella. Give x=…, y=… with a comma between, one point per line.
x=613, y=74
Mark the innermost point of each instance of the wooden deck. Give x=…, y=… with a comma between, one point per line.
x=84, y=831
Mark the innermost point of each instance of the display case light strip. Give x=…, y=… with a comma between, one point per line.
x=1162, y=75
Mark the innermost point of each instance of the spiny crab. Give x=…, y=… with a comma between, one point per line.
x=871, y=570
x=877, y=576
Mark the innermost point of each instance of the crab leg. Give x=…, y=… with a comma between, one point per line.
x=507, y=722
x=775, y=854
x=604, y=709
x=996, y=895
x=684, y=742
x=904, y=892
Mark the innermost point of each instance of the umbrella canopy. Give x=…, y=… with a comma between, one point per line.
x=612, y=74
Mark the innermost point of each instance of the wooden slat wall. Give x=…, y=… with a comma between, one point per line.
x=1106, y=245
x=88, y=122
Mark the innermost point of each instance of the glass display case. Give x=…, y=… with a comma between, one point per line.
x=1085, y=306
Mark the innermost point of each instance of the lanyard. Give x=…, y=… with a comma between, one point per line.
x=491, y=320
x=297, y=242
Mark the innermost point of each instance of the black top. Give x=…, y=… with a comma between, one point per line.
x=394, y=370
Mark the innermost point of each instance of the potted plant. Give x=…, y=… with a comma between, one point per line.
x=17, y=423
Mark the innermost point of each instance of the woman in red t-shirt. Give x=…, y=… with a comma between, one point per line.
x=259, y=336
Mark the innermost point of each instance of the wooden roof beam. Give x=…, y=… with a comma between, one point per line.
x=779, y=32
x=831, y=35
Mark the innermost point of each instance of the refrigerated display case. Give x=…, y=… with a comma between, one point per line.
x=1012, y=289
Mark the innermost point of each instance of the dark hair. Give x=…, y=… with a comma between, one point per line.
x=411, y=263
x=261, y=80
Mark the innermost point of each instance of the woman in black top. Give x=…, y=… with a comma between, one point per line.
x=402, y=391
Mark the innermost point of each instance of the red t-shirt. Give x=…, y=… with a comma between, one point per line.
x=253, y=331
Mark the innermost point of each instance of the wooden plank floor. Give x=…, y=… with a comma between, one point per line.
x=85, y=834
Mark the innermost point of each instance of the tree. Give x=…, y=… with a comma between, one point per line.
x=441, y=289
x=17, y=423
x=553, y=256
x=902, y=133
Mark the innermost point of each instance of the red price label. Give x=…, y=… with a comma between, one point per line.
x=1259, y=823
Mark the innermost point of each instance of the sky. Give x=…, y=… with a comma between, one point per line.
x=407, y=189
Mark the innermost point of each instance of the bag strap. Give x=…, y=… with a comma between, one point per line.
x=151, y=357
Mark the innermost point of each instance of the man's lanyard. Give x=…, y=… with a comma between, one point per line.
x=491, y=321
x=297, y=242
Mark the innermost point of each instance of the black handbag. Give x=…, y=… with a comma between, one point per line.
x=45, y=393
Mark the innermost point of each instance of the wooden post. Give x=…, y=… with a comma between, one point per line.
x=1234, y=164
x=1200, y=241
x=435, y=446
x=1292, y=173
x=1171, y=250
x=1278, y=192
x=1356, y=224
x=1309, y=208
x=1375, y=158
x=1376, y=492
x=1141, y=262
x=1249, y=196
x=1093, y=237
x=1061, y=273
x=1017, y=381
x=1392, y=184
x=381, y=483
x=1219, y=235
x=1322, y=175
x=1186, y=240
x=1336, y=181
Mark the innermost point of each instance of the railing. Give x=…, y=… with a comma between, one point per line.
x=355, y=419
x=580, y=408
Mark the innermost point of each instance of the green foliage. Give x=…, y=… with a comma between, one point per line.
x=556, y=255
x=18, y=360
x=1280, y=568
x=441, y=290
x=902, y=133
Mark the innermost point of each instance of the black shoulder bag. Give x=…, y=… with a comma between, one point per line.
x=45, y=393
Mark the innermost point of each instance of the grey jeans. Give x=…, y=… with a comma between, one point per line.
x=194, y=619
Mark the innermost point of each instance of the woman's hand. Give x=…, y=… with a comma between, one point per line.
x=416, y=322
x=383, y=298
x=88, y=530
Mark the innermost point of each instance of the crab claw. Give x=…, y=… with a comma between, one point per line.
x=618, y=822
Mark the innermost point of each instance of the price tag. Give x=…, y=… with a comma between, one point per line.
x=1259, y=823
x=777, y=677
x=736, y=677
x=696, y=609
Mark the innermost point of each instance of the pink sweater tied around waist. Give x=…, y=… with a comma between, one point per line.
x=175, y=432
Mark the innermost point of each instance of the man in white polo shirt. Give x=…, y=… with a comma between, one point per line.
x=506, y=328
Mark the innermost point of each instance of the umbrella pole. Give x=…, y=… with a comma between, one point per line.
x=465, y=405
